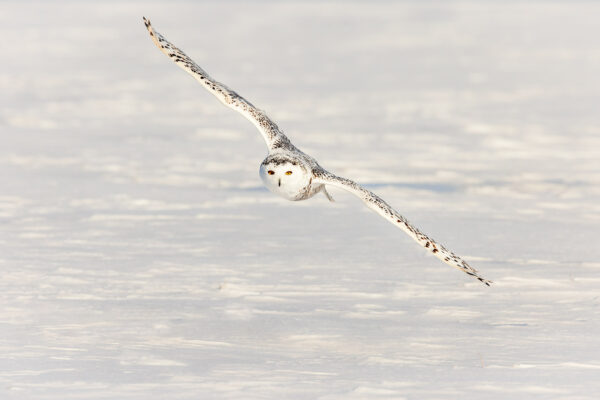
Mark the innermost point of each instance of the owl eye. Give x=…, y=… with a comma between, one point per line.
x=288, y=172
x=270, y=172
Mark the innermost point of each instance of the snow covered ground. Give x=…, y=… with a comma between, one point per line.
x=141, y=257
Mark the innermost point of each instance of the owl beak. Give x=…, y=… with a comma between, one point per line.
x=279, y=182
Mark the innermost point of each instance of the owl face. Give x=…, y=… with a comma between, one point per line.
x=285, y=177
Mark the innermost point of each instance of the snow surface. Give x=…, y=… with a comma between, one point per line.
x=142, y=258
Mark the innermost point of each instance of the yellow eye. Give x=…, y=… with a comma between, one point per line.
x=270, y=172
x=288, y=172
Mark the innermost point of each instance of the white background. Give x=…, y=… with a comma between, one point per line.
x=141, y=257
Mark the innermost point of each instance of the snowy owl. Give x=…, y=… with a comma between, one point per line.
x=295, y=175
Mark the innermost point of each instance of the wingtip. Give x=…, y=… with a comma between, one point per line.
x=486, y=282
x=148, y=26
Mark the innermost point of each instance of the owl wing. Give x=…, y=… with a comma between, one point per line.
x=269, y=130
x=377, y=204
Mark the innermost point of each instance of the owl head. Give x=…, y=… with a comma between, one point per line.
x=285, y=176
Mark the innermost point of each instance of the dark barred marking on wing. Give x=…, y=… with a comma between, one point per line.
x=271, y=133
x=377, y=204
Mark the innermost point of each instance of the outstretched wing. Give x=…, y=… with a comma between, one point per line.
x=269, y=130
x=375, y=203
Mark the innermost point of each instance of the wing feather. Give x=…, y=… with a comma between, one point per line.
x=377, y=204
x=273, y=136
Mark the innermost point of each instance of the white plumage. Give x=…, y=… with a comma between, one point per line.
x=292, y=174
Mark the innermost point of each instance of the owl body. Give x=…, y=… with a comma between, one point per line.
x=294, y=175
